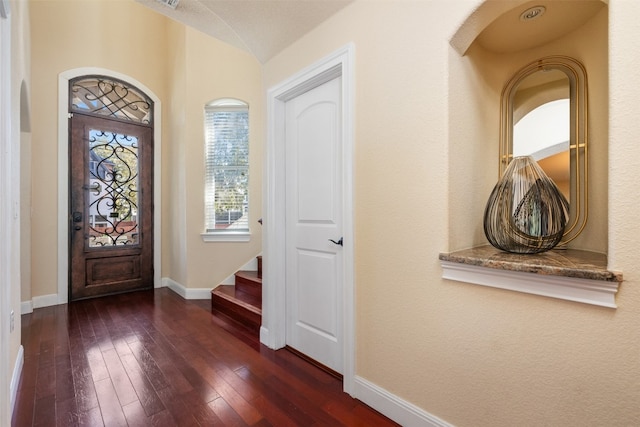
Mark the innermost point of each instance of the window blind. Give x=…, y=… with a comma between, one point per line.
x=227, y=168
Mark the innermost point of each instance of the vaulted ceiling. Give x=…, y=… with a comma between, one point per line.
x=261, y=27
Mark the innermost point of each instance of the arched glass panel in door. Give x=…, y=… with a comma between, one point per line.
x=104, y=96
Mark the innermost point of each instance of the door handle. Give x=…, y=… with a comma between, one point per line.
x=95, y=187
x=339, y=242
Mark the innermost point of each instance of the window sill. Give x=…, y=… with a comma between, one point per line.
x=568, y=274
x=226, y=236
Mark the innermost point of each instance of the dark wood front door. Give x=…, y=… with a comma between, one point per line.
x=111, y=208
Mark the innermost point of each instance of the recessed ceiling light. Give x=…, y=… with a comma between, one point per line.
x=532, y=13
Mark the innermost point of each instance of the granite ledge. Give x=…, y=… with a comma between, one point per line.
x=557, y=262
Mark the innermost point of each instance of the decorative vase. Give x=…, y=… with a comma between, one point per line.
x=526, y=213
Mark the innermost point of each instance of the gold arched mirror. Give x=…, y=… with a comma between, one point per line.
x=544, y=115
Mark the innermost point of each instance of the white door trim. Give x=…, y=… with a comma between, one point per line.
x=63, y=174
x=273, y=330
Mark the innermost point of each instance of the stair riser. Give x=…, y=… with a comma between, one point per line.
x=241, y=302
x=236, y=312
x=249, y=286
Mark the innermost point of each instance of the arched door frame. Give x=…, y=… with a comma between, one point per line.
x=63, y=173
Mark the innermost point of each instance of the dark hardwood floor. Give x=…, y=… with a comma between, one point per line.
x=153, y=359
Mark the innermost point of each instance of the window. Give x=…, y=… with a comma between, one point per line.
x=227, y=168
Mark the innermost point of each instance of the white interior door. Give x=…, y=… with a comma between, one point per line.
x=314, y=264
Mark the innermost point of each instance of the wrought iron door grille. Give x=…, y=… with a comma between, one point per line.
x=113, y=189
x=103, y=96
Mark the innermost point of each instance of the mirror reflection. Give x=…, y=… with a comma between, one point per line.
x=542, y=124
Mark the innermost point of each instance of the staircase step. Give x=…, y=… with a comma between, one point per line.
x=240, y=306
x=249, y=282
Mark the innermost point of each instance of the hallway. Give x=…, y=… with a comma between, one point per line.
x=153, y=358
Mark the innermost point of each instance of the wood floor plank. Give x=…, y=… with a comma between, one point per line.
x=84, y=322
x=66, y=412
x=368, y=416
x=29, y=372
x=147, y=395
x=276, y=402
x=112, y=414
x=63, y=377
x=241, y=406
x=210, y=368
x=102, y=337
x=300, y=400
x=25, y=406
x=31, y=333
x=135, y=415
x=44, y=413
x=61, y=331
x=276, y=414
x=151, y=370
x=200, y=411
x=180, y=412
x=187, y=369
x=346, y=415
x=90, y=418
x=151, y=358
x=96, y=362
x=165, y=364
x=226, y=413
x=162, y=419
x=85, y=393
x=46, y=376
x=119, y=378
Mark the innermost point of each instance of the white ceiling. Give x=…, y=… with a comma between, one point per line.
x=261, y=27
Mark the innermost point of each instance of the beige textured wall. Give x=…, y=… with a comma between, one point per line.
x=174, y=251
x=67, y=35
x=471, y=355
x=203, y=69
x=216, y=70
x=185, y=69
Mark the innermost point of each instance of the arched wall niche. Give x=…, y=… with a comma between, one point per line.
x=498, y=25
x=478, y=20
x=480, y=65
x=486, y=51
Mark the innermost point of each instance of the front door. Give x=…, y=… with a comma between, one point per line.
x=314, y=256
x=110, y=211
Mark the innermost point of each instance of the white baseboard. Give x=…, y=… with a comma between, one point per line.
x=44, y=301
x=26, y=307
x=184, y=292
x=52, y=299
x=15, y=378
x=393, y=407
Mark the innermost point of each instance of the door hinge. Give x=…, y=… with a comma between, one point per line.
x=70, y=115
